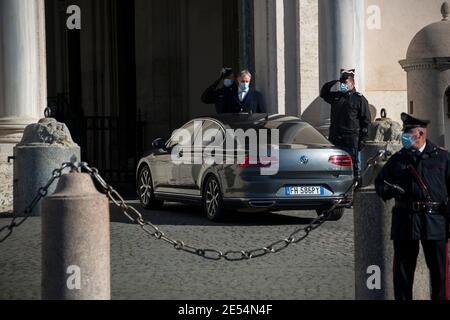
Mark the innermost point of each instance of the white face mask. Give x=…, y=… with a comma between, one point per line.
x=344, y=88
x=228, y=83
x=244, y=86
x=409, y=139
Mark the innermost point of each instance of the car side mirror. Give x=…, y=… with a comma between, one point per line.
x=159, y=143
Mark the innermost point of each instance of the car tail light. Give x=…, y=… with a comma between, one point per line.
x=262, y=162
x=341, y=161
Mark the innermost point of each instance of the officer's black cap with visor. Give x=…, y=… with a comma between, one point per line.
x=347, y=74
x=409, y=122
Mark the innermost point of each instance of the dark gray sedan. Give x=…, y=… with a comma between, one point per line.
x=311, y=173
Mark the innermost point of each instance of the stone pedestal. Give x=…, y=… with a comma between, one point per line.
x=45, y=147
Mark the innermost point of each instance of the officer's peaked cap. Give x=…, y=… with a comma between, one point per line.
x=410, y=122
x=347, y=73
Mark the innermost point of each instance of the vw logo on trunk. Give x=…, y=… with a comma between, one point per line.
x=304, y=160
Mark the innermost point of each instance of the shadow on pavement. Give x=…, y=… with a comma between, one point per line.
x=189, y=215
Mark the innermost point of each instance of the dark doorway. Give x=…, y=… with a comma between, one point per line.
x=104, y=119
x=238, y=34
x=64, y=70
x=113, y=141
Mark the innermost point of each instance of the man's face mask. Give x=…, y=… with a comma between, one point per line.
x=244, y=86
x=408, y=140
x=228, y=83
x=344, y=88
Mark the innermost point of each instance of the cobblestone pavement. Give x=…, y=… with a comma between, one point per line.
x=321, y=267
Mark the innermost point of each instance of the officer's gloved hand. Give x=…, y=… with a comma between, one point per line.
x=392, y=191
x=225, y=73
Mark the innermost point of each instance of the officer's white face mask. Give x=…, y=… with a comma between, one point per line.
x=409, y=140
x=228, y=83
x=344, y=88
x=244, y=86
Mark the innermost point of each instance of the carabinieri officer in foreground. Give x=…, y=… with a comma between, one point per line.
x=418, y=177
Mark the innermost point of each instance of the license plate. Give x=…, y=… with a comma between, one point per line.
x=305, y=191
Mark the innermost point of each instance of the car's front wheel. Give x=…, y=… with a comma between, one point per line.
x=145, y=190
x=213, y=201
x=335, y=215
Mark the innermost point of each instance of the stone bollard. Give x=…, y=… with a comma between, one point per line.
x=76, y=241
x=372, y=228
x=45, y=146
x=373, y=247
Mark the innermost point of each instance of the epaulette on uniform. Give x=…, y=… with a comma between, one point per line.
x=442, y=149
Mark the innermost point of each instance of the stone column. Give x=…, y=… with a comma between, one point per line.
x=277, y=54
x=22, y=79
x=341, y=43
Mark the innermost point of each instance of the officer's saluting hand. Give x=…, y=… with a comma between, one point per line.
x=418, y=178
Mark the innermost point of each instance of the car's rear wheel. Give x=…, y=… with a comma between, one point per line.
x=335, y=215
x=213, y=201
x=145, y=190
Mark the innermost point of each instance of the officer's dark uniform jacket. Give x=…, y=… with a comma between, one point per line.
x=350, y=116
x=217, y=96
x=433, y=165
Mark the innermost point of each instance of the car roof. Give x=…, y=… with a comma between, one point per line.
x=245, y=120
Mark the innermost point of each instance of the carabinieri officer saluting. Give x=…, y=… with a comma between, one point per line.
x=418, y=177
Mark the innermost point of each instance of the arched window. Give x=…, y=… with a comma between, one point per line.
x=447, y=101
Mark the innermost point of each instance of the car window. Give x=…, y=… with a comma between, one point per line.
x=177, y=139
x=212, y=135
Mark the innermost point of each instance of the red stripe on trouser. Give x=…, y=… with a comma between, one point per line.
x=446, y=271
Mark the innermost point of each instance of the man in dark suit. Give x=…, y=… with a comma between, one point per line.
x=244, y=98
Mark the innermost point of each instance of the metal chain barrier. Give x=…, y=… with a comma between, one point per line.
x=42, y=193
x=136, y=217
x=212, y=254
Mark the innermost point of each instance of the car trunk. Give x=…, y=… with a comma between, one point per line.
x=312, y=161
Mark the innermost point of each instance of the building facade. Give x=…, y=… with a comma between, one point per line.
x=123, y=72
